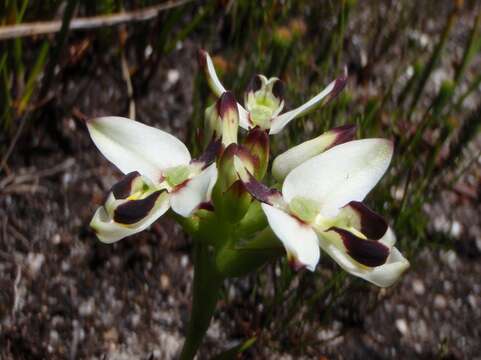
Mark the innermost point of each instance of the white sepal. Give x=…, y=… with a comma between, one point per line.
x=279, y=122
x=299, y=239
x=133, y=146
x=195, y=191
x=344, y=173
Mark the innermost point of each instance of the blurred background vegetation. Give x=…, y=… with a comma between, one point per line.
x=413, y=77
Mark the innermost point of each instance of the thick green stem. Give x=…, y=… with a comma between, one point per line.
x=207, y=283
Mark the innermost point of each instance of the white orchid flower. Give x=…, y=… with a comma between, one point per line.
x=160, y=174
x=320, y=208
x=263, y=101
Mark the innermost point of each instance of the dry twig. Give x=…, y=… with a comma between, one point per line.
x=87, y=23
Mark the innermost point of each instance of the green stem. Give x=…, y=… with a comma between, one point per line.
x=205, y=293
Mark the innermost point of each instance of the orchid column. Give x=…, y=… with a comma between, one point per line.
x=237, y=223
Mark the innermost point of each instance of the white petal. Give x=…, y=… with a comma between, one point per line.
x=243, y=117
x=196, y=191
x=295, y=156
x=109, y=231
x=218, y=89
x=342, y=174
x=384, y=275
x=389, y=238
x=299, y=239
x=212, y=78
x=280, y=121
x=387, y=274
x=133, y=146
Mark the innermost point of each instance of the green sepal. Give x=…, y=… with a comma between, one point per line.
x=236, y=201
x=257, y=143
x=254, y=220
x=241, y=257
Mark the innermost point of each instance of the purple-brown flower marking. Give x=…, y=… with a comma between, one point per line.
x=255, y=84
x=343, y=134
x=133, y=211
x=372, y=225
x=123, y=188
x=365, y=251
x=257, y=143
x=278, y=89
x=226, y=104
x=339, y=85
x=212, y=151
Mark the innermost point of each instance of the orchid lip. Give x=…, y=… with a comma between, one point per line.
x=123, y=188
x=366, y=252
x=133, y=211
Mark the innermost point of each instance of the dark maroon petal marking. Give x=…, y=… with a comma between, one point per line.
x=339, y=85
x=133, y=211
x=257, y=142
x=367, y=252
x=246, y=155
x=260, y=191
x=278, y=89
x=255, y=84
x=210, y=153
x=206, y=206
x=180, y=186
x=123, y=188
x=372, y=225
x=241, y=152
x=343, y=134
x=226, y=103
x=237, y=188
x=295, y=264
x=249, y=119
x=257, y=137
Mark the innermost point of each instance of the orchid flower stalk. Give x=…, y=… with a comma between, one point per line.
x=238, y=223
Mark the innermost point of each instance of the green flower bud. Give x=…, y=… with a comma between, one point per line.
x=264, y=100
x=222, y=120
x=230, y=200
x=257, y=142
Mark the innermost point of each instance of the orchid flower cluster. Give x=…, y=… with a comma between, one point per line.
x=314, y=204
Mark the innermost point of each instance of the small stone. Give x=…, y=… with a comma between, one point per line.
x=472, y=301
x=87, y=307
x=422, y=329
x=418, y=287
x=135, y=320
x=450, y=258
x=35, y=262
x=440, y=302
x=111, y=335
x=402, y=326
x=56, y=239
x=164, y=282
x=456, y=229
x=173, y=76
x=184, y=261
